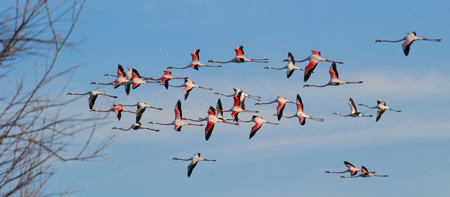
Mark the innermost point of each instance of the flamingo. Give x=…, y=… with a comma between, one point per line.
x=364, y=174
x=313, y=60
x=409, y=39
x=236, y=107
x=290, y=67
x=141, y=109
x=195, y=159
x=240, y=58
x=302, y=116
x=351, y=168
x=135, y=126
x=118, y=109
x=178, y=122
x=166, y=77
x=188, y=86
x=120, y=80
x=259, y=121
x=354, y=112
x=195, y=64
x=136, y=80
x=93, y=96
x=381, y=108
x=211, y=119
x=281, y=104
x=242, y=98
x=334, y=79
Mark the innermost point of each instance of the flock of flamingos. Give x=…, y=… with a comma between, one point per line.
x=132, y=80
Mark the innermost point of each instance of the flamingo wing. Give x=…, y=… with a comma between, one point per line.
x=165, y=82
x=191, y=168
x=139, y=113
x=208, y=130
x=364, y=170
x=379, y=113
x=290, y=72
x=177, y=127
x=255, y=129
x=92, y=101
x=118, y=109
x=280, y=109
x=177, y=110
x=127, y=88
x=333, y=71
x=309, y=69
x=348, y=164
x=234, y=114
x=302, y=120
x=187, y=89
x=219, y=114
x=352, y=106
x=406, y=46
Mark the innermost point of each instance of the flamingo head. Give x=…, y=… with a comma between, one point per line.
x=94, y=82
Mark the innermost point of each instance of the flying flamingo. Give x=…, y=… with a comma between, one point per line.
x=237, y=107
x=195, y=64
x=211, y=119
x=302, y=116
x=135, y=126
x=141, y=109
x=120, y=80
x=242, y=98
x=136, y=80
x=188, y=86
x=178, y=122
x=364, y=174
x=240, y=58
x=334, y=79
x=409, y=39
x=281, y=104
x=351, y=168
x=93, y=96
x=259, y=121
x=195, y=159
x=381, y=108
x=290, y=67
x=354, y=112
x=166, y=78
x=313, y=60
x=118, y=109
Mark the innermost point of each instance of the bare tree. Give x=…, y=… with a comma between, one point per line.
x=34, y=133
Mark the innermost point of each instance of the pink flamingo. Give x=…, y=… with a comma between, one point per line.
x=364, y=174
x=188, y=86
x=302, y=116
x=242, y=97
x=313, y=60
x=166, y=78
x=178, y=122
x=120, y=80
x=118, y=109
x=259, y=121
x=136, y=80
x=92, y=96
x=240, y=58
x=211, y=119
x=409, y=39
x=334, y=79
x=290, y=67
x=350, y=168
x=195, y=64
x=281, y=104
x=237, y=107
x=141, y=106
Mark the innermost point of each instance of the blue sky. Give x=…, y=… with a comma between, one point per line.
x=284, y=160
